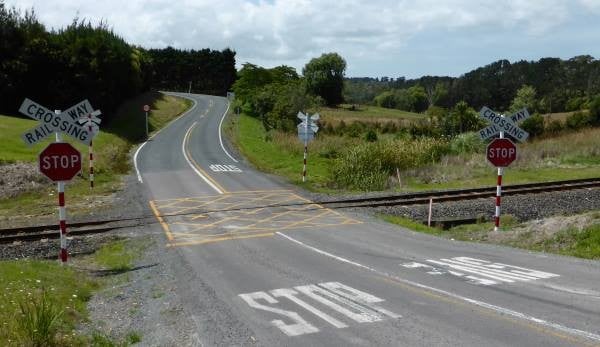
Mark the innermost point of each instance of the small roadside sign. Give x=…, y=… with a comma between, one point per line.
x=146, y=108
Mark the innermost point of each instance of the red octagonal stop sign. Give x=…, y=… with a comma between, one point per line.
x=60, y=161
x=501, y=152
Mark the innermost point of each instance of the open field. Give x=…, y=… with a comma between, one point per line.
x=567, y=156
x=112, y=149
x=365, y=113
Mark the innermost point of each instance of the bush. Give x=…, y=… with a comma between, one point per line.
x=371, y=136
x=595, y=110
x=534, y=125
x=466, y=143
x=577, y=121
x=555, y=127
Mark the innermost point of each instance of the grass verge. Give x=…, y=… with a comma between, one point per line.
x=42, y=302
x=577, y=236
x=111, y=152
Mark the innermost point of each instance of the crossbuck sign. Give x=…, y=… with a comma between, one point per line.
x=506, y=124
x=66, y=122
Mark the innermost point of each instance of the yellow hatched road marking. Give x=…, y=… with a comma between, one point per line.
x=164, y=225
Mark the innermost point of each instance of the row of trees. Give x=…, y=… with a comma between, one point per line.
x=82, y=61
x=276, y=95
x=561, y=85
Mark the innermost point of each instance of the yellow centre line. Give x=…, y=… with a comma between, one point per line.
x=197, y=166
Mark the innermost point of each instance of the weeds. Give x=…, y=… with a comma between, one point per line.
x=38, y=321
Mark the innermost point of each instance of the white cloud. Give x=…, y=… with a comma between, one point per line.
x=292, y=31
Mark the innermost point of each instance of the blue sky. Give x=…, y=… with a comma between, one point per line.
x=377, y=38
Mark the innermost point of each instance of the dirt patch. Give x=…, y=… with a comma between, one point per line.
x=20, y=178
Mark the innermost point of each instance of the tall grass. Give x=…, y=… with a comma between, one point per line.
x=38, y=321
x=369, y=165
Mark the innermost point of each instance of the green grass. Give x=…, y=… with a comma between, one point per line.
x=410, y=224
x=367, y=112
x=112, y=149
x=119, y=255
x=23, y=286
x=577, y=242
x=270, y=157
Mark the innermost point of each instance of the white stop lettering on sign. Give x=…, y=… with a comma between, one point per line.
x=501, y=152
x=60, y=161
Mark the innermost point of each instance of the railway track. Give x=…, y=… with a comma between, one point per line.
x=40, y=232
x=34, y=233
x=421, y=198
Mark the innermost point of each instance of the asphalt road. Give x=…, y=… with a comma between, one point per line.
x=265, y=266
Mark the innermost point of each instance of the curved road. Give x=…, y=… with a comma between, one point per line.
x=265, y=266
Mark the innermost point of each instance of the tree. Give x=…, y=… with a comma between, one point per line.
x=325, y=77
x=525, y=98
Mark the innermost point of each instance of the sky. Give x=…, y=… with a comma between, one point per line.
x=376, y=37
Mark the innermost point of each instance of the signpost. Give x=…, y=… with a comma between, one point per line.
x=501, y=152
x=306, y=133
x=60, y=161
x=92, y=123
x=146, y=110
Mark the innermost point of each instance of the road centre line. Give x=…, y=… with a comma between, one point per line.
x=498, y=309
x=195, y=166
x=137, y=171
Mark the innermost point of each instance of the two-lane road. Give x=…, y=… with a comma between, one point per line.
x=266, y=266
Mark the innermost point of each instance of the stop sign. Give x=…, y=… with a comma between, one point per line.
x=501, y=152
x=60, y=161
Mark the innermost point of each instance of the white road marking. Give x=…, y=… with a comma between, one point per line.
x=496, y=271
x=300, y=326
x=224, y=168
x=220, y=138
x=291, y=295
x=498, y=309
x=137, y=171
x=336, y=296
x=358, y=296
x=187, y=134
x=321, y=295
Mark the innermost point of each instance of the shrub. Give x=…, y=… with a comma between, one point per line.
x=371, y=136
x=534, y=125
x=595, y=111
x=577, y=121
x=555, y=127
x=466, y=143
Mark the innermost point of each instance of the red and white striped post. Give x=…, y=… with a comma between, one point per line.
x=62, y=213
x=305, y=147
x=498, y=191
x=91, y=163
x=304, y=168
